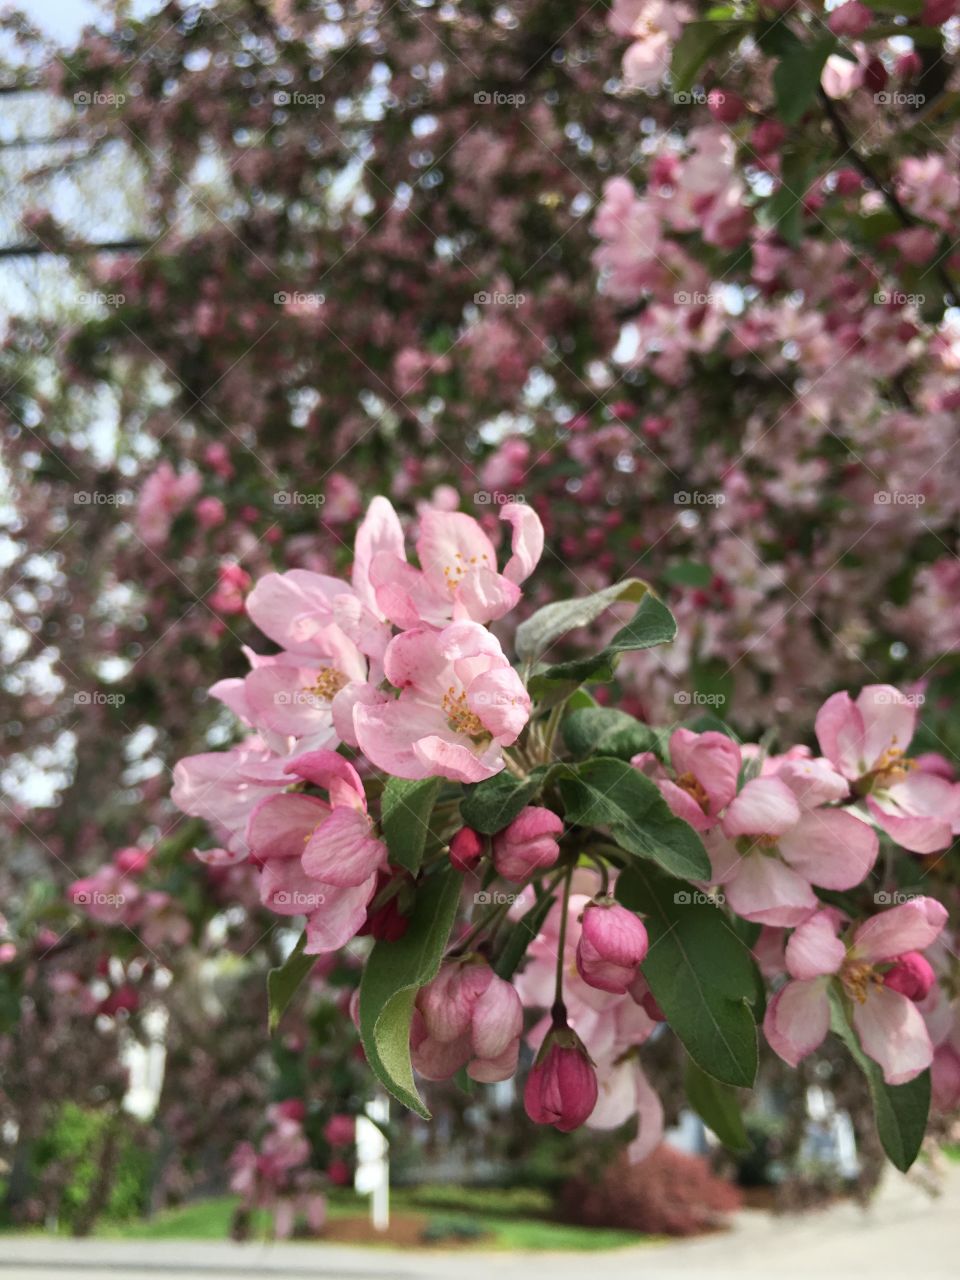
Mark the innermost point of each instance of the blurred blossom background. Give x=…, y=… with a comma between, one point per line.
x=261, y=260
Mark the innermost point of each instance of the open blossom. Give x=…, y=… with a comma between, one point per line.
x=164, y=494
x=320, y=858
x=879, y=972
x=654, y=25
x=706, y=767
x=224, y=787
x=287, y=695
x=776, y=843
x=613, y=943
x=776, y=837
x=458, y=577
x=467, y=1017
x=528, y=844
x=623, y=1090
x=460, y=703
x=867, y=741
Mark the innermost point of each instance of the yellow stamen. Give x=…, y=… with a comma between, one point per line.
x=328, y=683
x=459, y=716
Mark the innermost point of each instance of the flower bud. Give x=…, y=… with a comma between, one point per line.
x=466, y=850
x=613, y=942
x=467, y=1017
x=388, y=921
x=561, y=1088
x=528, y=844
x=851, y=19
x=911, y=975
x=340, y=1130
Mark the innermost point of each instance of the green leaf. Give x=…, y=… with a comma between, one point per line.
x=698, y=42
x=796, y=78
x=548, y=624
x=492, y=804
x=717, y=1106
x=605, y=731
x=521, y=935
x=405, y=811
x=785, y=209
x=392, y=976
x=900, y=1110
x=700, y=973
x=283, y=981
x=687, y=573
x=604, y=792
x=652, y=624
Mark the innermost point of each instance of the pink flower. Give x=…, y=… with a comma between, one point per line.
x=467, y=1017
x=851, y=19
x=706, y=766
x=528, y=844
x=164, y=495
x=561, y=1088
x=320, y=858
x=458, y=577
x=106, y=896
x=340, y=1130
x=461, y=702
x=888, y=1024
x=623, y=1090
x=224, y=787
x=867, y=741
x=310, y=699
x=210, y=512
x=613, y=943
x=780, y=840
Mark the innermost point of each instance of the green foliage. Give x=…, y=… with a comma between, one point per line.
x=405, y=812
x=490, y=805
x=717, y=1106
x=610, y=793
x=701, y=974
x=393, y=974
x=900, y=1110
x=283, y=981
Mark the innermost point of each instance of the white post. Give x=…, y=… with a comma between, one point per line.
x=373, y=1161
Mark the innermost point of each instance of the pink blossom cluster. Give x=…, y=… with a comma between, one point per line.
x=275, y=1176
x=454, y=704
x=399, y=670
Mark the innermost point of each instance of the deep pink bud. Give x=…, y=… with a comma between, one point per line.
x=466, y=850
x=849, y=182
x=340, y=1130
x=850, y=19
x=387, y=920
x=613, y=942
x=767, y=136
x=131, y=861
x=528, y=844
x=911, y=975
x=291, y=1109
x=561, y=1088
x=725, y=106
x=937, y=12
x=875, y=75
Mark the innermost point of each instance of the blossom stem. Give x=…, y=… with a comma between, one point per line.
x=559, y=1011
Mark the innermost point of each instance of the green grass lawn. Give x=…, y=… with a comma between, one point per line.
x=444, y=1207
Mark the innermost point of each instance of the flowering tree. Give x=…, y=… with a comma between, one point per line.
x=694, y=309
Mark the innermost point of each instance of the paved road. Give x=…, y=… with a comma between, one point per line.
x=904, y=1236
